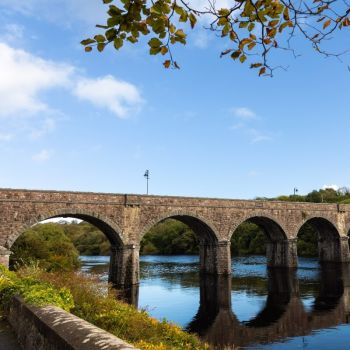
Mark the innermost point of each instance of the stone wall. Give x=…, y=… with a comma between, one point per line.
x=125, y=218
x=51, y=328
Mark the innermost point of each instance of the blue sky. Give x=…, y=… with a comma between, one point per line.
x=96, y=122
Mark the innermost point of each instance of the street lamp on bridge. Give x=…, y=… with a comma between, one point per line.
x=146, y=175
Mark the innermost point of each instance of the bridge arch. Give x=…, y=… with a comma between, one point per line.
x=107, y=226
x=196, y=222
x=272, y=226
x=122, y=255
x=280, y=250
x=214, y=253
x=332, y=246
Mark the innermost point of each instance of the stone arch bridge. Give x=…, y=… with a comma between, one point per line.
x=125, y=218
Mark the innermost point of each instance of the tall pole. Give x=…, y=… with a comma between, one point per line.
x=146, y=175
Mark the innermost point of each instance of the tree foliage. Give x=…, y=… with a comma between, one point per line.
x=87, y=239
x=251, y=29
x=248, y=239
x=170, y=237
x=325, y=195
x=47, y=245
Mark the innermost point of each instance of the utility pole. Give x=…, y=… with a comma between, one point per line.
x=146, y=175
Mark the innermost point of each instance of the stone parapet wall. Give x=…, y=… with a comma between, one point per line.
x=51, y=328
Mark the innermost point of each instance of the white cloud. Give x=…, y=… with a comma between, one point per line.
x=243, y=113
x=42, y=156
x=23, y=77
x=334, y=187
x=120, y=97
x=26, y=77
x=245, y=117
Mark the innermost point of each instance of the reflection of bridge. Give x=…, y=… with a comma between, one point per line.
x=283, y=315
x=126, y=218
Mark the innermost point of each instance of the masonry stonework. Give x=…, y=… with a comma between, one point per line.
x=126, y=218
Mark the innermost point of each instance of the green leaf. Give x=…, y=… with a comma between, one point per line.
x=236, y=54
x=100, y=38
x=180, y=33
x=243, y=58
x=114, y=11
x=88, y=49
x=154, y=50
x=163, y=50
x=111, y=34
x=193, y=20
x=87, y=41
x=118, y=43
x=107, y=1
x=251, y=26
x=101, y=46
x=154, y=43
x=132, y=39
x=113, y=21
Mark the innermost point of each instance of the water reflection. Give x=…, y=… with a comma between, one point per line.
x=283, y=315
x=289, y=307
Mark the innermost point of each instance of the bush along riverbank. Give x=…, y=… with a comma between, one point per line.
x=88, y=299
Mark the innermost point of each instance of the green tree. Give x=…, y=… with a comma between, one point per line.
x=248, y=239
x=169, y=237
x=251, y=29
x=48, y=245
x=307, y=244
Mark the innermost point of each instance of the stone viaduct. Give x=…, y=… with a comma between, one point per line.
x=126, y=218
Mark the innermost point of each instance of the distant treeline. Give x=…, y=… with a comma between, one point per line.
x=327, y=195
x=58, y=245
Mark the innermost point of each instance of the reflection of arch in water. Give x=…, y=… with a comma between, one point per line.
x=280, y=251
x=210, y=248
x=283, y=314
x=332, y=247
x=215, y=297
x=332, y=287
x=282, y=284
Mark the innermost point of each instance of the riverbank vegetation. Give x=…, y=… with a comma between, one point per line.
x=88, y=299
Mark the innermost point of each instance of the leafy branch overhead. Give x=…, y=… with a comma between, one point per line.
x=252, y=28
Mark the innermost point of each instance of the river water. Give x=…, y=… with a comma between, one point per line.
x=256, y=308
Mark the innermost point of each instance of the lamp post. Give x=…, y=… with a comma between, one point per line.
x=295, y=191
x=146, y=175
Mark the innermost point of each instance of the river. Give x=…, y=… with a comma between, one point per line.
x=258, y=308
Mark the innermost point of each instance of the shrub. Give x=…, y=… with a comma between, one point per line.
x=89, y=299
